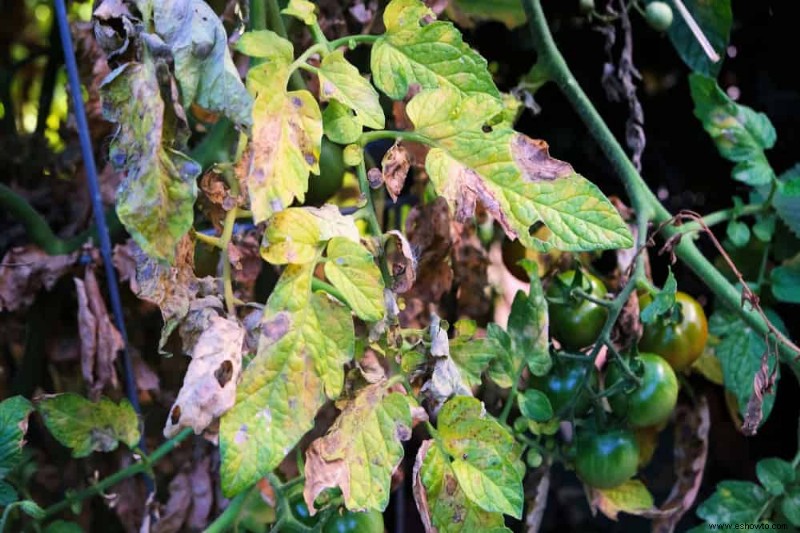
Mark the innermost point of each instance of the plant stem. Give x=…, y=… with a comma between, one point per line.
x=113, y=479
x=230, y=516
x=319, y=285
x=372, y=219
x=512, y=396
x=351, y=41
x=227, y=278
x=369, y=136
x=208, y=239
x=643, y=200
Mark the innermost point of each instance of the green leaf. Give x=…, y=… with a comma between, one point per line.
x=62, y=526
x=86, y=426
x=203, y=65
x=534, y=404
x=8, y=494
x=303, y=10
x=738, y=232
x=785, y=282
x=775, y=474
x=471, y=355
x=739, y=352
x=790, y=505
x=155, y=201
x=297, y=235
x=32, y=509
x=512, y=175
x=14, y=413
x=467, y=12
x=265, y=44
x=740, y=134
x=528, y=327
x=764, y=228
x=361, y=450
x=341, y=81
x=663, y=302
x=786, y=200
x=733, y=501
x=714, y=18
x=504, y=366
x=340, y=123
x=486, y=458
x=285, y=144
x=442, y=501
x=352, y=270
x=305, y=340
x=430, y=56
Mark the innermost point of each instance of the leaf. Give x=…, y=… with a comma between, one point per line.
x=485, y=456
x=663, y=302
x=430, y=56
x=203, y=65
x=14, y=413
x=471, y=355
x=534, y=404
x=632, y=497
x=733, y=501
x=25, y=270
x=446, y=380
x=155, y=200
x=305, y=340
x=209, y=387
x=297, y=235
x=285, y=144
x=266, y=44
x=303, y=10
x=62, y=526
x=86, y=426
x=394, y=169
x=775, y=474
x=739, y=352
x=738, y=233
x=352, y=270
x=528, y=327
x=361, y=450
x=173, y=514
x=740, y=134
x=715, y=19
x=8, y=494
x=785, y=282
x=340, y=123
x=100, y=340
x=512, y=176
x=790, y=505
x=786, y=200
x=467, y=12
x=441, y=501
x=503, y=367
x=341, y=81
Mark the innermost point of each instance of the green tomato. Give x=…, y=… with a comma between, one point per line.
x=332, y=167
x=586, y=6
x=299, y=509
x=366, y=522
x=650, y=403
x=681, y=343
x=606, y=460
x=563, y=383
x=658, y=15
x=576, y=323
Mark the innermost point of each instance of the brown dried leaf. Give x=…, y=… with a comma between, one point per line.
x=124, y=259
x=209, y=388
x=202, y=495
x=129, y=498
x=446, y=379
x=537, y=503
x=100, y=340
x=394, y=168
x=404, y=267
x=763, y=383
x=691, y=450
x=470, y=270
x=27, y=269
x=177, y=509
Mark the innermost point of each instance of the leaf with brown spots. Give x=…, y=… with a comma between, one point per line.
x=100, y=340
x=394, y=168
x=361, y=450
x=209, y=388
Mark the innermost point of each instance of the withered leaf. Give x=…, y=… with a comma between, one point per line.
x=404, y=268
x=25, y=270
x=177, y=508
x=394, y=167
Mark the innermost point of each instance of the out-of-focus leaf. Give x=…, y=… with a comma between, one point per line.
x=785, y=282
x=341, y=81
x=738, y=233
x=203, y=65
x=709, y=366
x=734, y=502
x=787, y=198
x=790, y=505
x=632, y=497
x=305, y=340
x=715, y=19
x=14, y=413
x=209, y=387
x=441, y=501
x=173, y=515
x=467, y=12
x=361, y=450
x=86, y=426
x=24, y=271
x=511, y=175
x=352, y=270
x=775, y=474
x=62, y=526
x=534, y=404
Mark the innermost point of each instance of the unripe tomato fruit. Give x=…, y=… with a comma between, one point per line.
x=576, y=323
x=681, y=343
x=658, y=15
x=608, y=459
x=366, y=522
x=563, y=383
x=650, y=403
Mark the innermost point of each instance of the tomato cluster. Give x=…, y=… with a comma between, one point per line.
x=337, y=522
x=640, y=388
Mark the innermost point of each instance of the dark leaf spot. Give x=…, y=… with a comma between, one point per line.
x=224, y=373
x=175, y=415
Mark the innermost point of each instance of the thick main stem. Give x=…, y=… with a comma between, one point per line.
x=641, y=196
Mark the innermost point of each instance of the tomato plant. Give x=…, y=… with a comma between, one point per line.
x=373, y=281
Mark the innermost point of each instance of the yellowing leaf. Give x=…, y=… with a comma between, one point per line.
x=361, y=450
x=209, y=387
x=431, y=56
x=709, y=367
x=87, y=426
x=441, y=501
x=631, y=497
x=265, y=44
x=285, y=144
x=352, y=270
x=467, y=12
x=305, y=340
x=513, y=176
x=297, y=235
x=341, y=81
x=303, y=10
